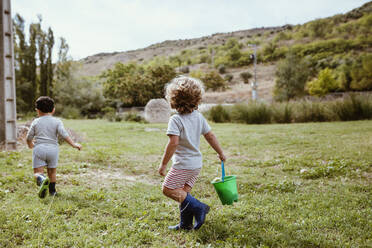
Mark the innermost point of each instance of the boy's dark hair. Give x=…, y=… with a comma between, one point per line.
x=45, y=104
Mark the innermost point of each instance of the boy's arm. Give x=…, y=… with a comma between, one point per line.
x=30, y=144
x=62, y=131
x=72, y=143
x=30, y=136
x=212, y=140
x=168, y=153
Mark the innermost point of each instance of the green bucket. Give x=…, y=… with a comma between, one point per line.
x=227, y=190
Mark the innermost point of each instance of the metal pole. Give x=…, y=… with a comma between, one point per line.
x=254, y=84
x=8, y=129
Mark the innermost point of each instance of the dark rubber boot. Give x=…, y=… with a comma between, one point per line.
x=186, y=217
x=199, y=210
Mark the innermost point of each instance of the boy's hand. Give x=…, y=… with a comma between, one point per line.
x=162, y=169
x=78, y=146
x=222, y=157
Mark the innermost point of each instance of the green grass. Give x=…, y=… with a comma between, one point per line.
x=300, y=185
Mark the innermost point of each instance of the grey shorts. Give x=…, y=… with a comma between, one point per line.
x=45, y=155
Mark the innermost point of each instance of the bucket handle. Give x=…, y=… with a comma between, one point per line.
x=223, y=171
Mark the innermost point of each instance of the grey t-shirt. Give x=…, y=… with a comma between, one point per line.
x=46, y=129
x=188, y=127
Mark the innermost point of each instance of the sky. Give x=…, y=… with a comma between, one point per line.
x=95, y=26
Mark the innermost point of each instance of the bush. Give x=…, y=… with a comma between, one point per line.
x=353, y=107
x=133, y=116
x=218, y=114
x=229, y=77
x=184, y=69
x=269, y=50
x=221, y=69
x=282, y=113
x=252, y=113
x=324, y=84
x=109, y=113
x=245, y=76
x=69, y=112
x=319, y=28
x=307, y=111
x=212, y=80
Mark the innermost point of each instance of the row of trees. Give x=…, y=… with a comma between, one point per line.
x=33, y=62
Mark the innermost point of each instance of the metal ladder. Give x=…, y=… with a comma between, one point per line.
x=8, y=115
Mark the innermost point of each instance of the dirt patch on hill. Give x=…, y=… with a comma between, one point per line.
x=240, y=92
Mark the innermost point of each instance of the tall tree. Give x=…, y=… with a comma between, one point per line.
x=20, y=47
x=49, y=64
x=31, y=62
x=42, y=52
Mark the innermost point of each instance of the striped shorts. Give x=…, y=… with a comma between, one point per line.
x=178, y=178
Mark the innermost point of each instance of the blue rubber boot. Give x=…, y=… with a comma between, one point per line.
x=199, y=210
x=186, y=217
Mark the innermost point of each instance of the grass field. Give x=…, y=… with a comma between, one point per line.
x=300, y=185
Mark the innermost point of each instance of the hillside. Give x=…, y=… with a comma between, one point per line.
x=325, y=42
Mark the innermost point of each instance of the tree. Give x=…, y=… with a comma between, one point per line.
x=49, y=64
x=291, y=76
x=42, y=53
x=31, y=63
x=135, y=85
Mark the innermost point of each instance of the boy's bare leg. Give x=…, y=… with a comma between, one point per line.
x=187, y=188
x=38, y=171
x=178, y=195
x=52, y=174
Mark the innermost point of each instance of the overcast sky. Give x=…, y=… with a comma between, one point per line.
x=94, y=26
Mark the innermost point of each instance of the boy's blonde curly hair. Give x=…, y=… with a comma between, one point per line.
x=184, y=94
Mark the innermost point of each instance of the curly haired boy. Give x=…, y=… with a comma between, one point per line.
x=184, y=130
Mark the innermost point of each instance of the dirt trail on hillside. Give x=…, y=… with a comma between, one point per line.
x=240, y=92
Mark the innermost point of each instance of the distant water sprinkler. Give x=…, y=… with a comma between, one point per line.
x=254, y=84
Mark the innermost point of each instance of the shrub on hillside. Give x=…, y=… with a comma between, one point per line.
x=212, y=80
x=319, y=28
x=184, y=69
x=325, y=83
x=221, y=69
x=269, y=50
x=229, y=77
x=245, y=76
x=361, y=74
x=196, y=74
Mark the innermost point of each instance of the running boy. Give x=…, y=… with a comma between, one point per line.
x=45, y=130
x=184, y=130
